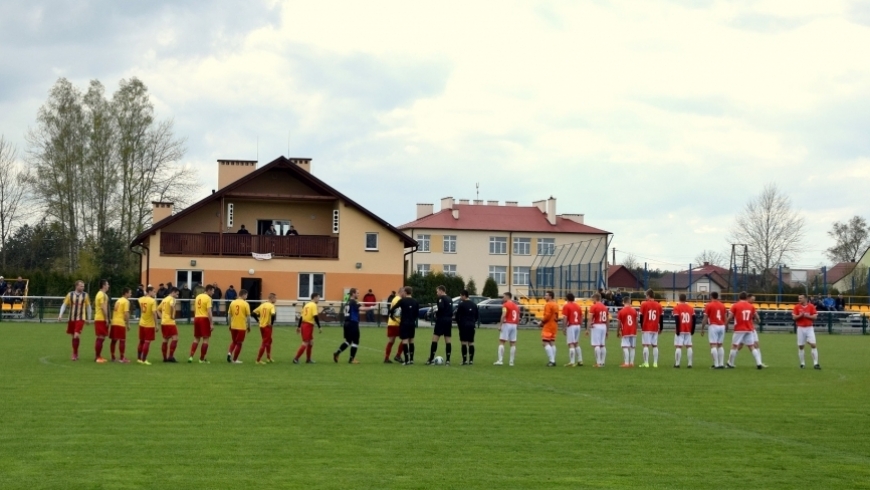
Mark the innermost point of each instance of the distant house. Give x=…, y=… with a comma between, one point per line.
x=698, y=283
x=620, y=276
x=303, y=237
x=848, y=276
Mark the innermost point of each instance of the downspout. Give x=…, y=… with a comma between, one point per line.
x=147, y=262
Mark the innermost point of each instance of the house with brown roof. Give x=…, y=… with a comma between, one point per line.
x=621, y=277
x=698, y=282
x=477, y=239
x=303, y=236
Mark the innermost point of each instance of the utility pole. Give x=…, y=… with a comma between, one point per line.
x=614, y=255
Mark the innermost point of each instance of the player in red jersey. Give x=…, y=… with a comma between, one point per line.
x=804, y=315
x=571, y=315
x=651, y=318
x=684, y=316
x=80, y=308
x=744, y=315
x=507, y=332
x=715, y=316
x=599, y=316
x=628, y=331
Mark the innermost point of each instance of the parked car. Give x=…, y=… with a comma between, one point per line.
x=489, y=311
x=429, y=314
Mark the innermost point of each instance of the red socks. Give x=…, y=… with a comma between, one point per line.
x=193, y=348
x=308, y=352
x=269, y=349
x=139, y=349
x=300, y=351
x=389, y=350
x=262, y=350
x=122, y=347
x=172, y=347
x=401, y=349
x=144, y=347
x=98, y=347
x=237, y=351
x=203, y=350
x=164, y=348
x=75, y=346
x=112, y=348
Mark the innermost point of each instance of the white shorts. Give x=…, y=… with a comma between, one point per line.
x=717, y=334
x=683, y=340
x=508, y=332
x=599, y=335
x=628, y=341
x=650, y=338
x=745, y=338
x=806, y=335
x=573, y=334
x=754, y=337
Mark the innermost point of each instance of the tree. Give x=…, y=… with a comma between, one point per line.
x=471, y=287
x=712, y=257
x=490, y=288
x=100, y=169
x=852, y=239
x=14, y=195
x=630, y=262
x=770, y=227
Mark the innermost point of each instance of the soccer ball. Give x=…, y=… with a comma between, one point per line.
x=439, y=361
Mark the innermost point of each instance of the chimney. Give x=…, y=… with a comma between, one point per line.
x=478, y=202
x=541, y=205
x=577, y=218
x=492, y=203
x=230, y=171
x=446, y=203
x=455, y=213
x=303, y=163
x=464, y=201
x=706, y=264
x=551, y=210
x=160, y=211
x=512, y=204
x=424, y=210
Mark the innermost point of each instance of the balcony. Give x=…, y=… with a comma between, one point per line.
x=235, y=245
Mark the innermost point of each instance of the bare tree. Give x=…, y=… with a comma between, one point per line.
x=14, y=193
x=630, y=262
x=56, y=150
x=852, y=240
x=100, y=170
x=712, y=257
x=770, y=227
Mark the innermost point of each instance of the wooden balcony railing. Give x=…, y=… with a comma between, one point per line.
x=235, y=245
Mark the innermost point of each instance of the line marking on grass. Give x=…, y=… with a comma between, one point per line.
x=46, y=360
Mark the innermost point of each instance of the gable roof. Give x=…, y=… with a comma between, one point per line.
x=282, y=163
x=616, y=274
x=481, y=217
x=839, y=271
x=680, y=280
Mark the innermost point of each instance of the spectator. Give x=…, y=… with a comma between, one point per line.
x=243, y=231
x=390, y=298
x=617, y=300
x=828, y=304
x=198, y=289
x=840, y=302
x=369, y=301
x=215, y=297
x=185, y=295
x=3, y=286
x=161, y=291
x=291, y=231
x=20, y=285
x=140, y=291
x=271, y=231
x=229, y=296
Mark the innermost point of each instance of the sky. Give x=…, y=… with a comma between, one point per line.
x=657, y=120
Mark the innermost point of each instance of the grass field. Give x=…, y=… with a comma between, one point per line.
x=219, y=426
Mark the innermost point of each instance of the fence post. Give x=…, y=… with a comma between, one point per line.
x=830, y=323
x=762, y=316
x=863, y=324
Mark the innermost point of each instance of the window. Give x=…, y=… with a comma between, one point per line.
x=544, y=277
x=335, y=221
x=546, y=246
x=423, y=243
x=450, y=244
x=423, y=269
x=522, y=246
x=310, y=283
x=521, y=276
x=372, y=241
x=191, y=278
x=499, y=274
x=497, y=245
x=450, y=270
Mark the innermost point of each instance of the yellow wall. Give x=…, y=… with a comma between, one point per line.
x=307, y=218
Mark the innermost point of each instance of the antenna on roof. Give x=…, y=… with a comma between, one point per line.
x=477, y=186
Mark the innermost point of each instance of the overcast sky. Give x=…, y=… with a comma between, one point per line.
x=658, y=120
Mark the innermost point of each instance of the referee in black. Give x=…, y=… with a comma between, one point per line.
x=466, y=320
x=409, y=309
x=443, y=325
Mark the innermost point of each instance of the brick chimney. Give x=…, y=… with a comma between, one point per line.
x=424, y=210
x=512, y=204
x=160, y=210
x=478, y=202
x=303, y=163
x=230, y=171
x=463, y=201
x=577, y=218
x=446, y=203
x=492, y=203
x=541, y=205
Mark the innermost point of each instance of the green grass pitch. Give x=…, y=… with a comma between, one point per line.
x=83, y=425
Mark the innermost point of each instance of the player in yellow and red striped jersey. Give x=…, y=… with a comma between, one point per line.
x=265, y=314
x=168, y=329
x=80, y=307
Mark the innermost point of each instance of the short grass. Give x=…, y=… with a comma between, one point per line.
x=82, y=425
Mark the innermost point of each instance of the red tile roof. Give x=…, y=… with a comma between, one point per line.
x=498, y=218
x=840, y=271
